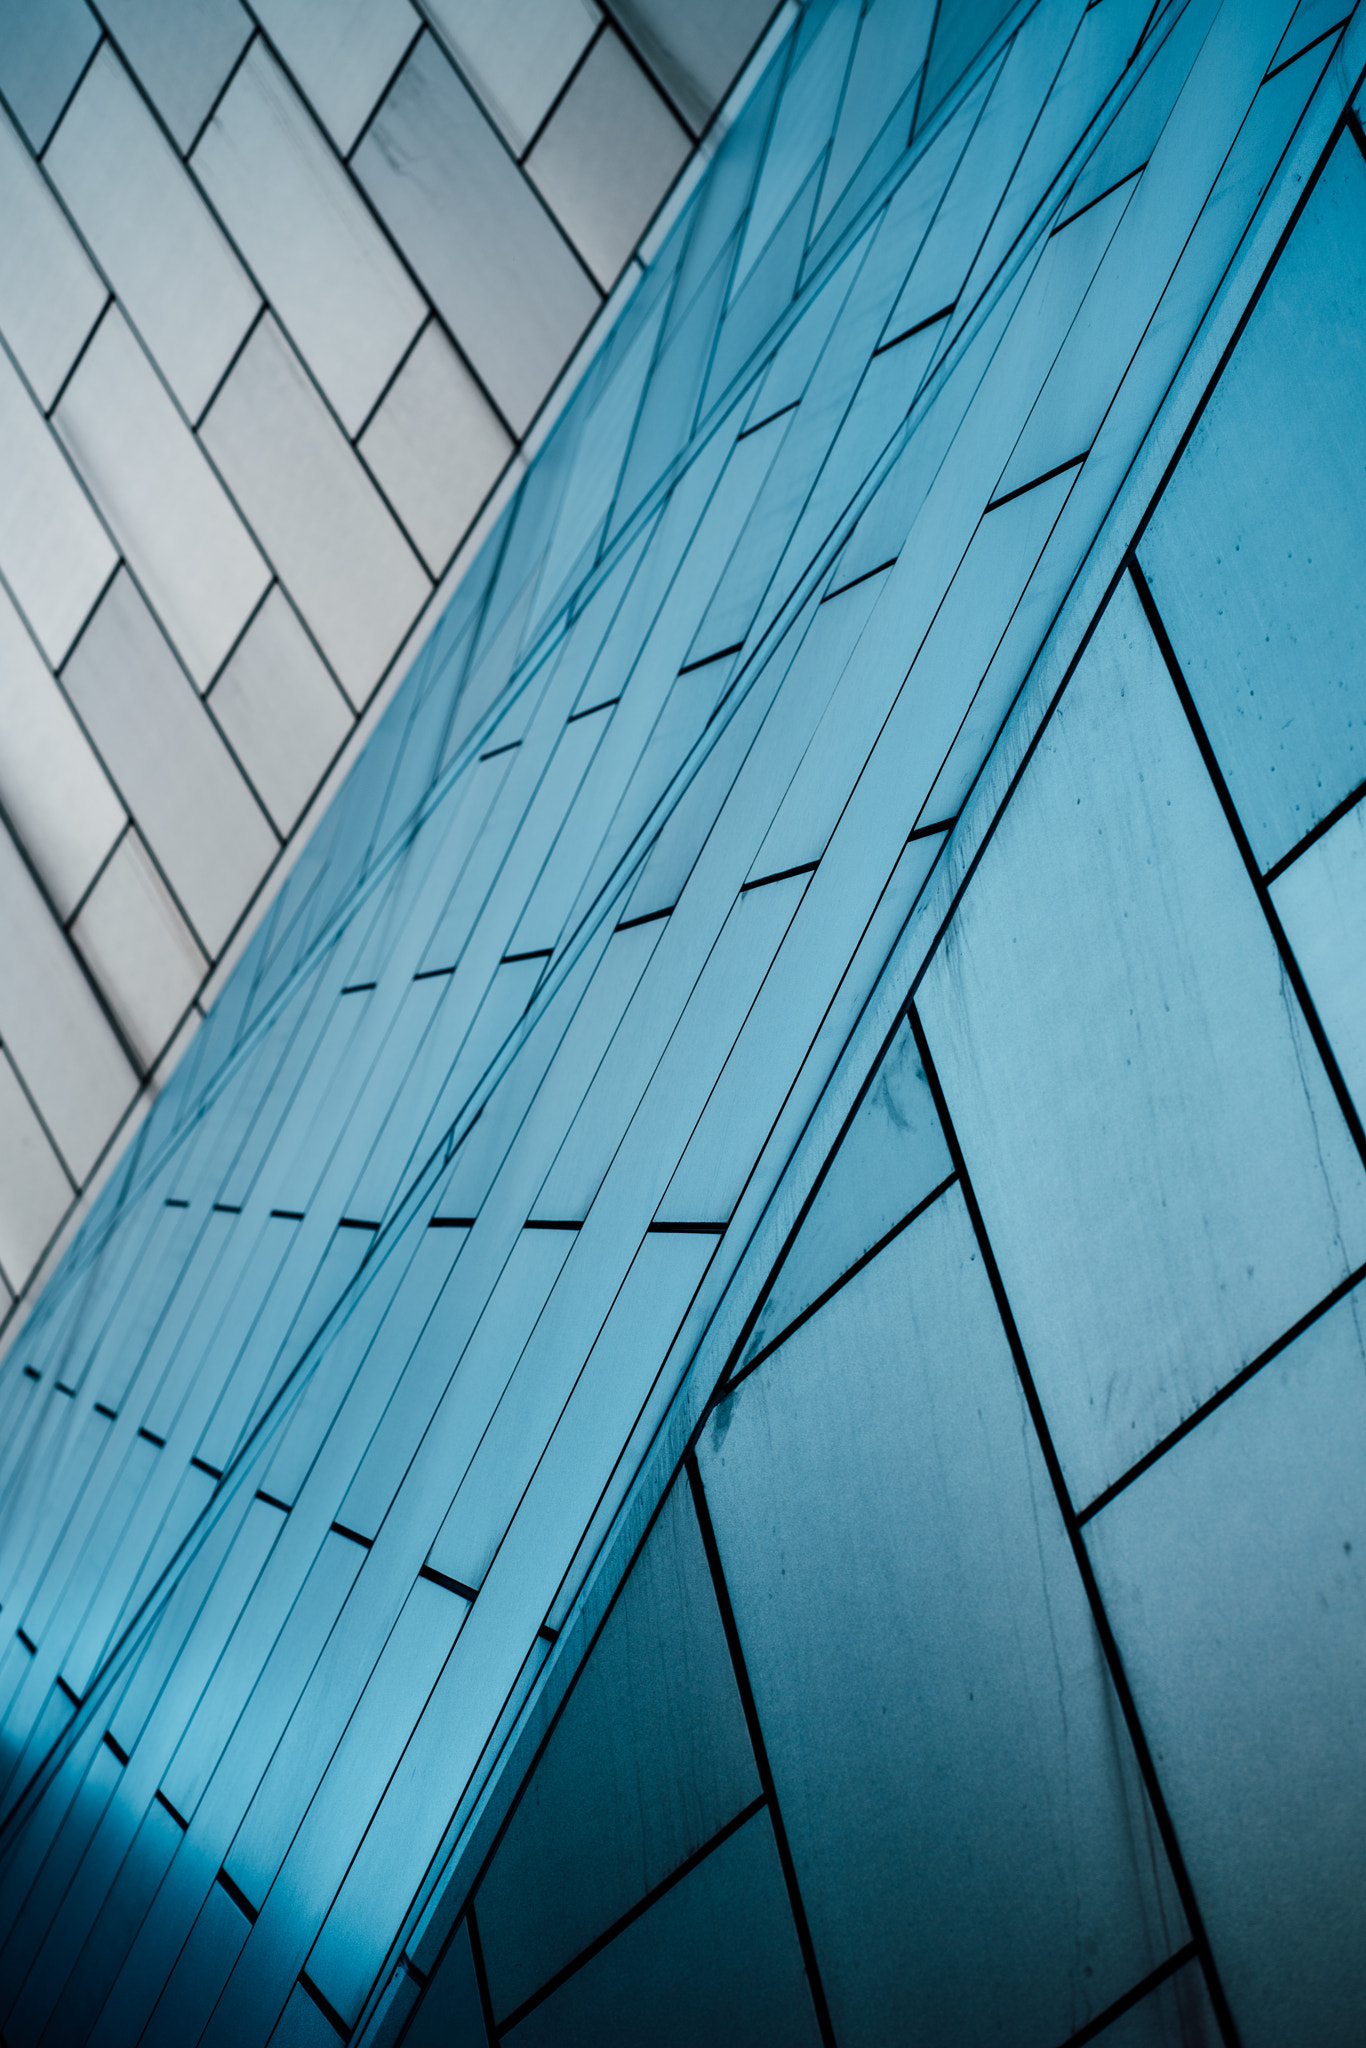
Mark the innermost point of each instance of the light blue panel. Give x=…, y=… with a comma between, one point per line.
x=879, y=92
x=716, y=1959
x=960, y=33
x=1166, y=1179
x=967, y=1822
x=44, y=47
x=1321, y=902
x=1251, y=553
x=890, y=1159
x=1234, y=1574
x=649, y=1758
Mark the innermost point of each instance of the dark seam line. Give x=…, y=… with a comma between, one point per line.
x=1153, y=13
x=450, y=1223
x=178, y=1818
x=31, y=1372
x=628, y=924
x=70, y=1391
x=1072, y=462
x=236, y=1894
x=64, y=1688
x=358, y=988
x=808, y=867
x=101, y=39
x=157, y=1442
x=706, y=660
x=116, y=1749
x=1225, y=1393
x=289, y=1215
x=325, y=2006
x=855, y=581
x=480, y=1973
x=211, y=1471
x=207, y=407
x=1136, y=172
x=589, y=709
x=221, y=94
x=546, y=1634
x=930, y=320
x=1186, y=1954
x=429, y=1571
x=929, y=831
x=544, y=1223
x=1286, y=62
x=1290, y=966
x=352, y=1535
x=410, y=1969
x=520, y=157
x=1081, y=1557
x=227, y=1208
x=733, y=1379
x=176, y=1202
x=536, y=953
x=27, y=1642
x=689, y=1229
x=756, y=1736
x=1334, y=817
x=595, y=1948
x=76, y=364
x=1358, y=136
x=759, y=425
x=109, y=1414
x=355, y=1223
x=271, y=1502
x=432, y=973
x=399, y=367
x=494, y=752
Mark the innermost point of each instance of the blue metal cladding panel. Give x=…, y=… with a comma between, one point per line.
x=911, y=1718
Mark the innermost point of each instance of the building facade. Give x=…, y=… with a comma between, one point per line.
x=724, y=1399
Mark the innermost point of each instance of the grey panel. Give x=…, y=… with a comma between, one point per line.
x=339, y=553
x=283, y=715
x=1253, y=552
x=1321, y=902
x=436, y=447
x=34, y=1191
x=182, y=51
x=969, y=1829
x=139, y=949
x=178, y=778
x=343, y=53
x=1166, y=1179
x=695, y=50
x=1232, y=1572
x=54, y=553
x=337, y=286
x=607, y=156
x=50, y=292
x=53, y=789
x=516, y=54
x=154, y=237
x=195, y=559
x=52, y=1026
x=43, y=49
x=648, y=1760
x=498, y=269
x=716, y=1959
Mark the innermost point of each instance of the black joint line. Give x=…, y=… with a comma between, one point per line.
x=430, y=1572
x=358, y=988
x=767, y=421
x=450, y=1223
x=930, y=831
x=116, y=1749
x=352, y=1535
x=31, y=1372
x=27, y=1642
x=1137, y=172
x=628, y=924
x=109, y=1414
x=148, y=1436
x=546, y=1634
x=176, y=1202
x=854, y=581
x=808, y=867
x=688, y=1229
x=227, y=1208
x=68, y=1692
x=706, y=660
x=236, y=1894
x=536, y=953
x=289, y=1215
x=506, y=748
x=324, y=2005
x=178, y=1818
x=589, y=709
x=355, y=1223
x=551, y=1223
x=271, y=1502
x=210, y=1471
x=70, y=1392
x=906, y=334
x=1060, y=469
x=1134, y=1996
